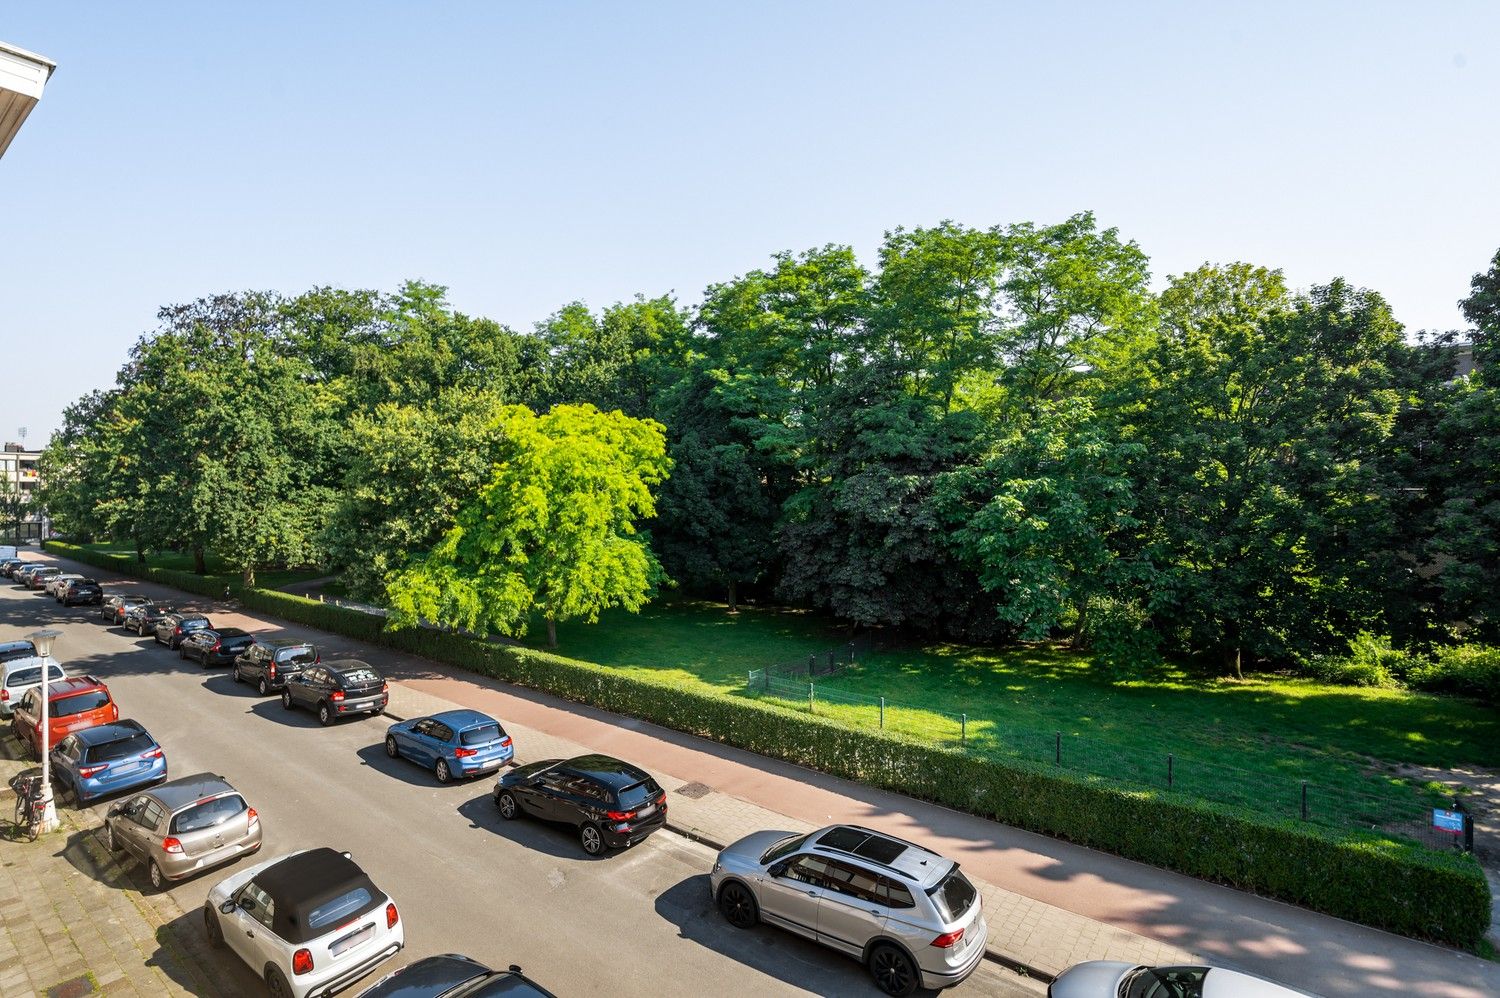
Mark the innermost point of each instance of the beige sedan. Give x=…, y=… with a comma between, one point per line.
x=184, y=827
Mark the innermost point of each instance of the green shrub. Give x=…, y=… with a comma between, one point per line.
x=1469, y=670
x=1386, y=883
x=1122, y=638
x=1371, y=661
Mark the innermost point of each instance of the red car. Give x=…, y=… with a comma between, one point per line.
x=74, y=704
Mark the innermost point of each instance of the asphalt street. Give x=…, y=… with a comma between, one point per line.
x=638, y=921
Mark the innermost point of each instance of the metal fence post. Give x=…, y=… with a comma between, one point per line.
x=812, y=662
x=851, y=653
x=882, y=713
x=963, y=729
x=810, y=698
x=831, y=665
x=1304, y=800
x=1169, y=771
x=1057, y=751
x=766, y=675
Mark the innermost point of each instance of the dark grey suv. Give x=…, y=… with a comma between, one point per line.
x=267, y=665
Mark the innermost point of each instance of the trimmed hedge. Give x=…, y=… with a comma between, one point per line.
x=1380, y=882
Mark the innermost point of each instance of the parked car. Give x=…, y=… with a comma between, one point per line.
x=267, y=664
x=335, y=691
x=74, y=703
x=12, y=650
x=171, y=628
x=144, y=617
x=454, y=976
x=22, y=575
x=1113, y=979
x=106, y=759
x=17, y=675
x=309, y=923
x=612, y=804
x=81, y=592
x=215, y=645
x=53, y=585
x=454, y=743
x=909, y=915
x=184, y=827
x=37, y=578
x=9, y=565
x=113, y=608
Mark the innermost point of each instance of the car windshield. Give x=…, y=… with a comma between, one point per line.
x=120, y=749
x=481, y=735
x=639, y=793
x=80, y=703
x=303, y=655
x=361, y=676
x=208, y=814
x=1164, y=982
x=11, y=654
x=340, y=907
x=785, y=847
x=953, y=895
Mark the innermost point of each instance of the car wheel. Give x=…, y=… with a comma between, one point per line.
x=158, y=881
x=325, y=716
x=211, y=927
x=591, y=838
x=286, y=698
x=237, y=677
x=109, y=838
x=391, y=749
x=737, y=905
x=444, y=775
x=276, y=984
x=505, y=803
x=893, y=970
x=263, y=686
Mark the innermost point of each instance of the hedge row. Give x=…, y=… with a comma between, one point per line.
x=1388, y=884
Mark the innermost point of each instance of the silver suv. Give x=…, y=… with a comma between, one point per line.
x=905, y=912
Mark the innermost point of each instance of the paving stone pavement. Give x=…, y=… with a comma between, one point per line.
x=1024, y=933
x=74, y=922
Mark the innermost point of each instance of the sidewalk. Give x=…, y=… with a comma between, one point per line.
x=1025, y=934
x=73, y=922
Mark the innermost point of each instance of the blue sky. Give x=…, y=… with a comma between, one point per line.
x=527, y=155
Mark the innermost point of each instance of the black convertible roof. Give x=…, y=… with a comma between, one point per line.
x=302, y=883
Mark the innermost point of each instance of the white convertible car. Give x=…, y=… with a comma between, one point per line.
x=309, y=923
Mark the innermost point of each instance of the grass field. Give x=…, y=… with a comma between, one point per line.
x=182, y=561
x=1248, y=742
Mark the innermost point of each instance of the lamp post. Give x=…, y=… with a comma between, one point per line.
x=42, y=642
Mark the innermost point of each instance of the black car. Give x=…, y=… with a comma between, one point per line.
x=268, y=664
x=10, y=565
x=611, y=803
x=215, y=645
x=143, y=618
x=171, y=628
x=113, y=608
x=81, y=592
x=454, y=976
x=335, y=691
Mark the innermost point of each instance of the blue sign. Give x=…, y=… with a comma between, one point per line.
x=1448, y=821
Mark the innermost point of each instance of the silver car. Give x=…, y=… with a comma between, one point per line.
x=21, y=674
x=905, y=912
x=1112, y=979
x=180, y=828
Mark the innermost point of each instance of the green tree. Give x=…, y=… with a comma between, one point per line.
x=553, y=532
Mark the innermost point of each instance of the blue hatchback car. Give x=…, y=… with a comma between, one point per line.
x=455, y=743
x=106, y=759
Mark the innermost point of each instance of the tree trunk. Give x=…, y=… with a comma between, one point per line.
x=1081, y=629
x=734, y=596
x=200, y=565
x=1232, y=660
x=249, y=576
x=551, y=633
x=140, y=552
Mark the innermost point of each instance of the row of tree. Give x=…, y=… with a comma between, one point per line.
x=992, y=434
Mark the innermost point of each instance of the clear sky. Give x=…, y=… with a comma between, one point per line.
x=529, y=154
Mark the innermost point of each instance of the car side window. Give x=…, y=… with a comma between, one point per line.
x=894, y=895
x=807, y=870
x=263, y=908
x=133, y=809
x=150, y=815
x=68, y=748
x=582, y=786
x=442, y=732
x=852, y=881
x=422, y=727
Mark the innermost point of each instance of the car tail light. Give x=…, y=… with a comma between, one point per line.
x=336, y=695
x=177, y=629
x=302, y=961
x=87, y=771
x=153, y=754
x=505, y=742
x=170, y=844
x=273, y=670
x=251, y=818
x=619, y=815
x=391, y=917
x=4, y=695
x=217, y=646
x=385, y=687
x=464, y=753
x=948, y=938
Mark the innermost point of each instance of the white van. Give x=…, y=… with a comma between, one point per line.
x=8, y=551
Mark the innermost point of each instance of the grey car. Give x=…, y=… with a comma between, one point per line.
x=1113, y=979
x=909, y=915
x=183, y=827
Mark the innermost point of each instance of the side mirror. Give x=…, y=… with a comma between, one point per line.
x=777, y=870
x=116, y=810
x=227, y=907
x=248, y=903
x=514, y=968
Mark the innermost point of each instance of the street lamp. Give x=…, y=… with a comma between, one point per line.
x=42, y=642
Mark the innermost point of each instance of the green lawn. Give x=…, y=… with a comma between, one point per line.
x=182, y=561
x=1249, y=742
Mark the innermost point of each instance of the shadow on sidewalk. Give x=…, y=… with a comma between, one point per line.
x=185, y=957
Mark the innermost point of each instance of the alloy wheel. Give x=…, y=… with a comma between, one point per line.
x=591, y=840
x=442, y=771
x=507, y=805
x=737, y=906
x=893, y=971
x=390, y=746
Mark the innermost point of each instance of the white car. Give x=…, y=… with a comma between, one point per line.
x=21, y=674
x=1112, y=979
x=53, y=584
x=310, y=923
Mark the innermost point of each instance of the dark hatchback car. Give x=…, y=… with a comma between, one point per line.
x=267, y=664
x=82, y=592
x=215, y=645
x=335, y=691
x=142, y=619
x=171, y=628
x=10, y=565
x=611, y=803
x=454, y=976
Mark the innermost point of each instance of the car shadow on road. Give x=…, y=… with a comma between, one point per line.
x=273, y=710
x=557, y=840
x=410, y=772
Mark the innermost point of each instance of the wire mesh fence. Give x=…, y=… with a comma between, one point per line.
x=1177, y=767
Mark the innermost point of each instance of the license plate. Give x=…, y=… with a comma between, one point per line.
x=352, y=940
x=646, y=811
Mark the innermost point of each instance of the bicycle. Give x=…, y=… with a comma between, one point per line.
x=29, y=806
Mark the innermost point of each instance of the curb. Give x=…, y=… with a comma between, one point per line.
x=990, y=953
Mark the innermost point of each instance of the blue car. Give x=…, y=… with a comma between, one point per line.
x=455, y=743
x=106, y=759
